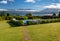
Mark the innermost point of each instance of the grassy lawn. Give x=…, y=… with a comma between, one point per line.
x=8, y=33
x=45, y=32
x=41, y=32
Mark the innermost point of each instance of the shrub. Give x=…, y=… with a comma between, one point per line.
x=29, y=23
x=16, y=23
x=43, y=21
x=21, y=22
x=9, y=18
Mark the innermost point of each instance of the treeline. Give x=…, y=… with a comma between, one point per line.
x=51, y=17
x=9, y=16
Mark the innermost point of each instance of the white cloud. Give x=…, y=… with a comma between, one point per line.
x=53, y=6
x=33, y=1
x=11, y=0
x=50, y=6
x=3, y=10
x=3, y=2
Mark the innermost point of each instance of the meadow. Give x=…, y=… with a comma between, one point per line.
x=39, y=32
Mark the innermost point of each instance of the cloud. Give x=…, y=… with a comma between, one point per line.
x=11, y=0
x=50, y=6
x=32, y=1
x=3, y=2
x=6, y=1
x=3, y=10
x=53, y=6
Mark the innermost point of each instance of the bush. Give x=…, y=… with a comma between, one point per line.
x=16, y=23
x=29, y=23
x=32, y=22
x=21, y=22
x=9, y=18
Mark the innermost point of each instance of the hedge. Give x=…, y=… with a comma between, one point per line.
x=21, y=23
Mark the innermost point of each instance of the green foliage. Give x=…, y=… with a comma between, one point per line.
x=21, y=22
x=59, y=14
x=28, y=14
x=54, y=14
x=0, y=18
x=32, y=22
x=9, y=18
x=17, y=17
x=9, y=14
x=29, y=23
x=16, y=23
x=2, y=13
x=3, y=18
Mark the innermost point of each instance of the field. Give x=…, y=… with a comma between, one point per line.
x=8, y=33
x=40, y=32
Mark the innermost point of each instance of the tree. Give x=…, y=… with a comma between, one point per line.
x=59, y=14
x=29, y=14
x=9, y=14
x=2, y=14
x=54, y=14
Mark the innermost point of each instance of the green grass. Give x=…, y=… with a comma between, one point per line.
x=41, y=32
x=8, y=33
x=45, y=32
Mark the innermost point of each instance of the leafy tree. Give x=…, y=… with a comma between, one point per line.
x=9, y=14
x=2, y=14
x=59, y=14
x=28, y=14
x=54, y=14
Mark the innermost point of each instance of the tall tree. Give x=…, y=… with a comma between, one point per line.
x=9, y=14
x=54, y=14
x=3, y=13
x=59, y=14
x=29, y=14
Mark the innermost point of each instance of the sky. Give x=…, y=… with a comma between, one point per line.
x=29, y=4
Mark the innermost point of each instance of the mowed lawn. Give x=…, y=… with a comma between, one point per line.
x=45, y=32
x=8, y=33
x=40, y=32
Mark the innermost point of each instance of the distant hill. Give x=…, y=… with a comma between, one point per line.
x=46, y=11
x=50, y=11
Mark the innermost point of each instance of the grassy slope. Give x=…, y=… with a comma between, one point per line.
x=8, y=33
x=42, y=32
x=45, y=32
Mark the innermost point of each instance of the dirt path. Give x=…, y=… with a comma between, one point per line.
x=26, y=36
